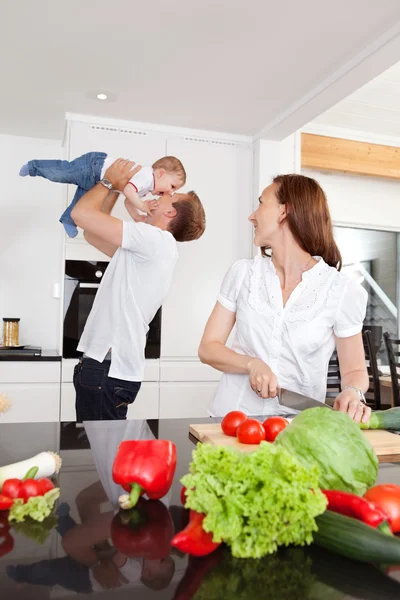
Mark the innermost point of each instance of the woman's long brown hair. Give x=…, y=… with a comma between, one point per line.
x=308, y=217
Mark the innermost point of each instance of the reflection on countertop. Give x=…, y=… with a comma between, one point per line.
x=90, y=549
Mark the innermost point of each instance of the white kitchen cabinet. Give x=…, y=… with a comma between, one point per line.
x=144, y=407
x=32, y=403
x=119, y=142
x=186, y=399
x=30, y=372
x=221, y=174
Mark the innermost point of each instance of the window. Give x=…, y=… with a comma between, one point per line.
x=371, y=257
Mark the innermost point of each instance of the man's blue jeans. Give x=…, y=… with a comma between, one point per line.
x=84, y=172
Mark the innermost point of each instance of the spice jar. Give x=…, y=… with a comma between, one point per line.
x=10, y=331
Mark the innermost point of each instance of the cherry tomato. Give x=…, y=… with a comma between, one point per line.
x=29, y=488
x=273, y=426
x=231, y=422
x=45, y=485
x=250, y=431
x=387, y=497
x=11, y=488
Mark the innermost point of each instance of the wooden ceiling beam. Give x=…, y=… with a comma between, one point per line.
x=349, y=156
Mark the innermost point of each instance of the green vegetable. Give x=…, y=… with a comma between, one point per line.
x=39, y=532
x=283, y=576
x=335, y=443
x=254, y=501
x=384, y=419
x=353, y=539
x=37, y=507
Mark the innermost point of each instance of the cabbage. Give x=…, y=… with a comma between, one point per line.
x=335, y=443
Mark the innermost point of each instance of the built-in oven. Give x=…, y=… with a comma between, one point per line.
x=81, y=282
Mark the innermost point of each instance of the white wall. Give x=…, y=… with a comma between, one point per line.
x=361, y=200
x=31, y=241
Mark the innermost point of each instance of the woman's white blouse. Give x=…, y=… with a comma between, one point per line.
x=296, y=340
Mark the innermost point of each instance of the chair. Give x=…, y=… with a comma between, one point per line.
x=392, y=347
x=334, y=379
x=373, y=394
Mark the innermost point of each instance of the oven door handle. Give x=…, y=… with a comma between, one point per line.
x=89, y=285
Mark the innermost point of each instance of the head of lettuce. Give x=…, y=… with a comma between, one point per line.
x=330, y=439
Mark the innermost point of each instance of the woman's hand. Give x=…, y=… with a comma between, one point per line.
x=262, y=379
x=348, y=401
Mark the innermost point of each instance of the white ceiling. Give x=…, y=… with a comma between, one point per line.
x=374, y=108
x=222, y=65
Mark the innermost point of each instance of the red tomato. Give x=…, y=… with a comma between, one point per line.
x=29, y=488
x=250, y=431
x=387, y=497
x=11, y=488
x=5, y=503
x=273, y=426
x=231, y=422
x=45, y=485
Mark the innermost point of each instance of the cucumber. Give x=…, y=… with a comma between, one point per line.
x=384, y=419
x=356, y=540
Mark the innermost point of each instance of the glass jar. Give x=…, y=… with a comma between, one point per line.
x=10, y=331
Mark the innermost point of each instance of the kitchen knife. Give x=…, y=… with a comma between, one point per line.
x=298, y=401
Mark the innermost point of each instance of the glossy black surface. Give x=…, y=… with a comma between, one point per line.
x=81, y=281
x=46, y=356
x=78, y=557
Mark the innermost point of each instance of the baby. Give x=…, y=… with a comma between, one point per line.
x=166, y=175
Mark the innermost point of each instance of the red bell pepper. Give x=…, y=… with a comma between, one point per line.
x=183, y=496
x=357, y=507
x=144, y=531
x=193, y=539
x=5, y=502
x=144, y=466
x=6, y=539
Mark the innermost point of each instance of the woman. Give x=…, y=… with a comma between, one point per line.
x=290, y=310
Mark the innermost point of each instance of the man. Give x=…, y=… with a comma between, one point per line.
x=108, y=377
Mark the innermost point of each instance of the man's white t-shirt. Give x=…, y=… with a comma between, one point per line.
x=132, y=290
x=143, y=181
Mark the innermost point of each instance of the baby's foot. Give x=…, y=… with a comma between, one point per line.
x=24, y=170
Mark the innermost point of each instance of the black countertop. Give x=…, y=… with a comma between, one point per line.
x=78, y=557
x=14, y=355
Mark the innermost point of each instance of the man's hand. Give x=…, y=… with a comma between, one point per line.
x=120, y=172
x=348, y=401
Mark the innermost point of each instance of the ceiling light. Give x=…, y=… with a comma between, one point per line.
x=102, y=96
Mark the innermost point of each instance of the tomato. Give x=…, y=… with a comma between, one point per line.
x=387, y=497
x=30, y=488
x=231, y=422
x=11, y=488
x=273, y=426
x=250, y=431
x=45, y=485
x=5, y=502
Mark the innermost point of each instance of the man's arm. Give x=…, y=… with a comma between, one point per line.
x=95, y=240
x=87, y=212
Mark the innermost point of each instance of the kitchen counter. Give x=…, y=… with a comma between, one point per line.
x=79, y=557
x=47, y=355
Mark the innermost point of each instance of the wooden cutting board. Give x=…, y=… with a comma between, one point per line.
x=385, y=444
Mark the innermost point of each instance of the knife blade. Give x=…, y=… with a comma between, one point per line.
x=298, y=401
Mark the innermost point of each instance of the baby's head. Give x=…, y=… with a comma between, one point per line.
x=169, y=175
